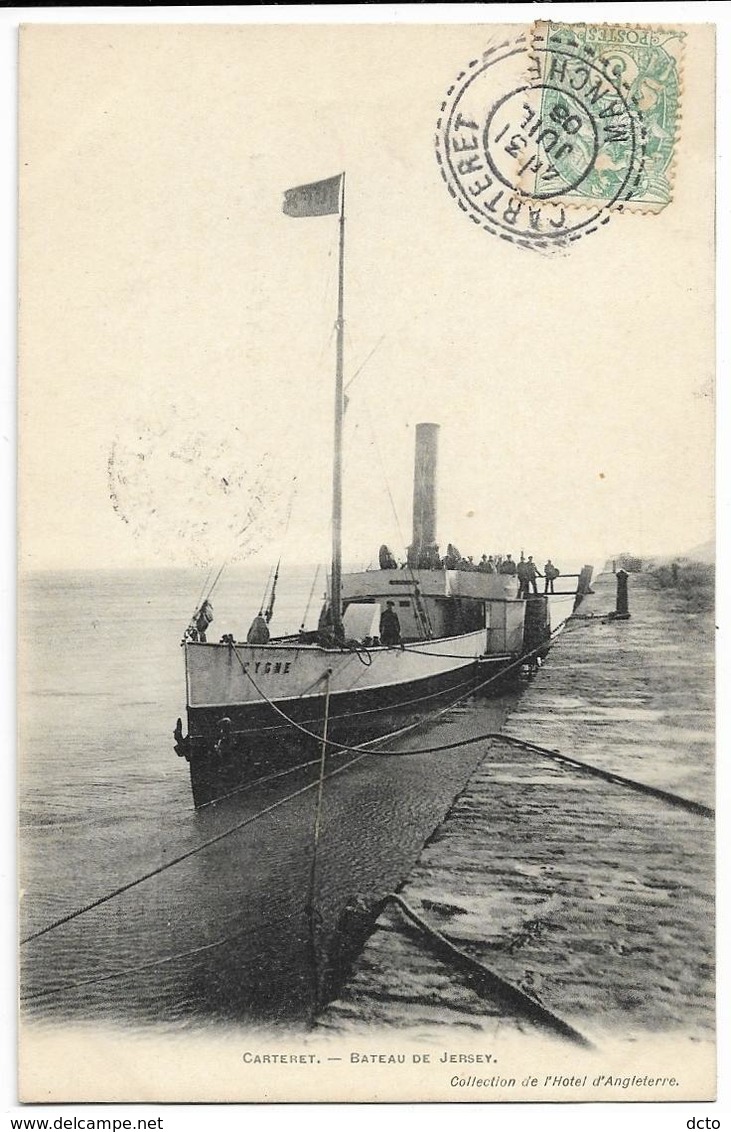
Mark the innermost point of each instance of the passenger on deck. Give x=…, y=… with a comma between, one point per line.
x=390, y=626
x=203, y=619
x=258, y=633
x=531, y=573
x=429, y=558
x=522, y=572
x=507, y=566
x=433, y=559
x=385, y=559
x=550, y=573
x=452, y=557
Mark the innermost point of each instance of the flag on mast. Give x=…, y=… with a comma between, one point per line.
x=321, y=198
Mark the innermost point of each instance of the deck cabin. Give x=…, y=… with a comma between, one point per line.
x=435, y=604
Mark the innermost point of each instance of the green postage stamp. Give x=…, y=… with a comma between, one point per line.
x=644, y=66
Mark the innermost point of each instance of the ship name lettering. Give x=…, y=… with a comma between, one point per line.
x=270, y=667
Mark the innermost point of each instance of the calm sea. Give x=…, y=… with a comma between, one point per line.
x=223, y=935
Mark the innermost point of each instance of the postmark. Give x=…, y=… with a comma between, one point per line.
x=216, y=495
x=544, y=136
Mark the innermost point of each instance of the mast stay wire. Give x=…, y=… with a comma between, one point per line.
x=309, y=599
x=364, y=363
x=203, y=588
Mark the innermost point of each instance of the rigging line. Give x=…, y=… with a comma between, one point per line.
x=45, y=992
x=453, y=655
x=183, y=856
x=363, y=364
x=309, y=599
x=266, y=590
x=203, y=589
x=216, y=580
x=292, y=493
x=258, y=781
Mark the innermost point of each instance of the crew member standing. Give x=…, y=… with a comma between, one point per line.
x=550, y=573
x=531, y=573
x=390, y=626
x=522, y=572
x=258, y=633
x=203, y=619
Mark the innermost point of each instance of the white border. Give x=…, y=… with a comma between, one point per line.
x=180, y=1118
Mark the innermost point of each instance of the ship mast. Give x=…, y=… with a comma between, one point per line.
x=337, y=499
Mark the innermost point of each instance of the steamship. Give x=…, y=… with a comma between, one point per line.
x=254, y=706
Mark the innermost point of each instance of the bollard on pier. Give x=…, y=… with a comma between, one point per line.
x=621, y=613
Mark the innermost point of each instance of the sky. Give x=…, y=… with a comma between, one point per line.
x=176, y=329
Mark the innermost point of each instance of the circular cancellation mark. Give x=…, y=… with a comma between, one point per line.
x=538, y=142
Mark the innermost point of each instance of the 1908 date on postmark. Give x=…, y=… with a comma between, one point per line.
x=543, y=136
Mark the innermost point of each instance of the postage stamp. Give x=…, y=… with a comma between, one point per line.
x=545, y=135
x=645, y=63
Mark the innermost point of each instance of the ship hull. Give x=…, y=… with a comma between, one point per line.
x=246, y=736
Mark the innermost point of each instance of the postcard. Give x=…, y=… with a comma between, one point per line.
x=366, y=426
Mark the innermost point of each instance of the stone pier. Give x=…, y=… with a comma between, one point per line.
x=590, y=896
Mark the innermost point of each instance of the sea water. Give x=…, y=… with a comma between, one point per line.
x=224, y=934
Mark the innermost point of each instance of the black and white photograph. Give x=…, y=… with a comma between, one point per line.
x=366, y=558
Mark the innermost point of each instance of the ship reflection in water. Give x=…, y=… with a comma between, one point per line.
x=224, y=934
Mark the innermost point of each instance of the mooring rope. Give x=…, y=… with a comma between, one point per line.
x=610, y=776
x=125, y=972
x=473, y=688
x=470, y=684
x=483, y=979
x=183, y=856
x=361, y=751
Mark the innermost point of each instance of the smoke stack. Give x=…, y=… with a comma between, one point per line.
x=425, y=496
